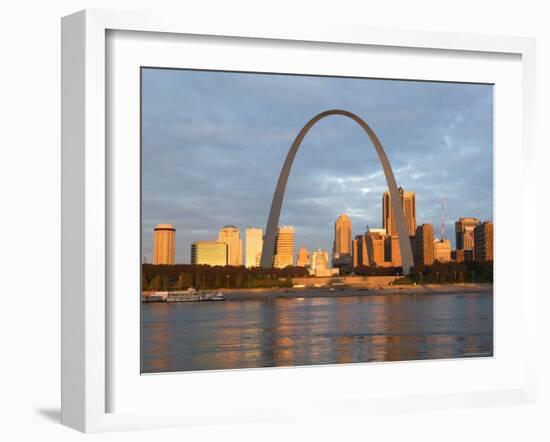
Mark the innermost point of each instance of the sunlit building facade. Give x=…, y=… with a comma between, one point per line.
x=284, y=247
x=392, y=251
x=483, y=242
x=164, y=242
x=213, y=253
x=303, y=257
x=342, y=235
x=375, y=248
x=464, y=230
x=253, y=246
x=231, y=236
x=424, y=245
x=408, y=201
x=355, y=246
x=320, y=266
x=442, y=250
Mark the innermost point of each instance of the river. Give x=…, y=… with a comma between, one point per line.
x=275, y=332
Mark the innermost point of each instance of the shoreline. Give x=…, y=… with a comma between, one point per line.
x=325, y=292
x=427, y=289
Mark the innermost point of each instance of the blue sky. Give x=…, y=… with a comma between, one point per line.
x=213, y=144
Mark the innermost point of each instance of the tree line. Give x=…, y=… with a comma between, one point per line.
x=450, y=272
x=205, y=277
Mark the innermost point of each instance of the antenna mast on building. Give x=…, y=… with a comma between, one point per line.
x=443, y=236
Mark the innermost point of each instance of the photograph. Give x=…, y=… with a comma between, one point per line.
x=292, y=220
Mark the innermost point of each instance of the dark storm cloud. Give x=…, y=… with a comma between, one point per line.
x=214, y=143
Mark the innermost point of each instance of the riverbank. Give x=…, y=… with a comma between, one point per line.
x=424, y=289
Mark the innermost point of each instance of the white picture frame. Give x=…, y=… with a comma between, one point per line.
x=86, y=206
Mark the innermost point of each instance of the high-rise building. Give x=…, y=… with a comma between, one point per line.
x=360, y=254
x=253, y=243
x=231, y=236
x=303, y=258
x=284, y=247
x=342, y=247
x=424, y=245
x=464, y=230
x=483, y=242
x=164, y=239
x=213, y=253
x=355, y=246
x=408, y=201
x=442, y=250
x=392, y=250
x=374, y=247
x=342, y=235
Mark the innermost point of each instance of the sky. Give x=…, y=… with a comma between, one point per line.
x=213, y=144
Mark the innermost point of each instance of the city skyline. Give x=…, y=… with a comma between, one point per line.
x=386, y=253
x=337, y=174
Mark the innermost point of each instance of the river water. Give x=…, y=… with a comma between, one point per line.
x=314, y=330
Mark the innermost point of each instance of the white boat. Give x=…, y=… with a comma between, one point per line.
x=218, y=297
x=189, y=295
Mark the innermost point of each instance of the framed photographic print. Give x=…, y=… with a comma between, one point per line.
x=272, y=223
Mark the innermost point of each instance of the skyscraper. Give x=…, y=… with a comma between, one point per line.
x=483, y=242
x=231, y=236
x=464, y=229
x=424, y=245
x=284, y=247
x=213, y=253
x=356, y=245
x=164, y=239
x=303, y=258
x=253, y=244
x=342, y=235
x=392, y=251
x=342, y=246
x=408, y=200
x=374, y=248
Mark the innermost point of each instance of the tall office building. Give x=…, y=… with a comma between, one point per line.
x=213, y=253
x=356, y=246
x=164, y=240
x=442, y=250
x=464, y=230
x=392, y=251
x=374, y=248
x=253, y=243
x=408, y=201
x=342, y=235
x=342, y=247
x=231, y=236
x=424, y=245
x=303, y=257
x=360, y=252
x=483, y=242
x=284, y=247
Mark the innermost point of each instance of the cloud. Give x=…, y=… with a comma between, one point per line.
x=214, y=143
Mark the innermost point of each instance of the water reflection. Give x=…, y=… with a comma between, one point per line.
x=306, y=331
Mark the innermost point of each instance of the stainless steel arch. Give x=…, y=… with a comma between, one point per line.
x=275, y=211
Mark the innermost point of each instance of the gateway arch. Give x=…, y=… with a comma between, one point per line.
x=275, y=211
